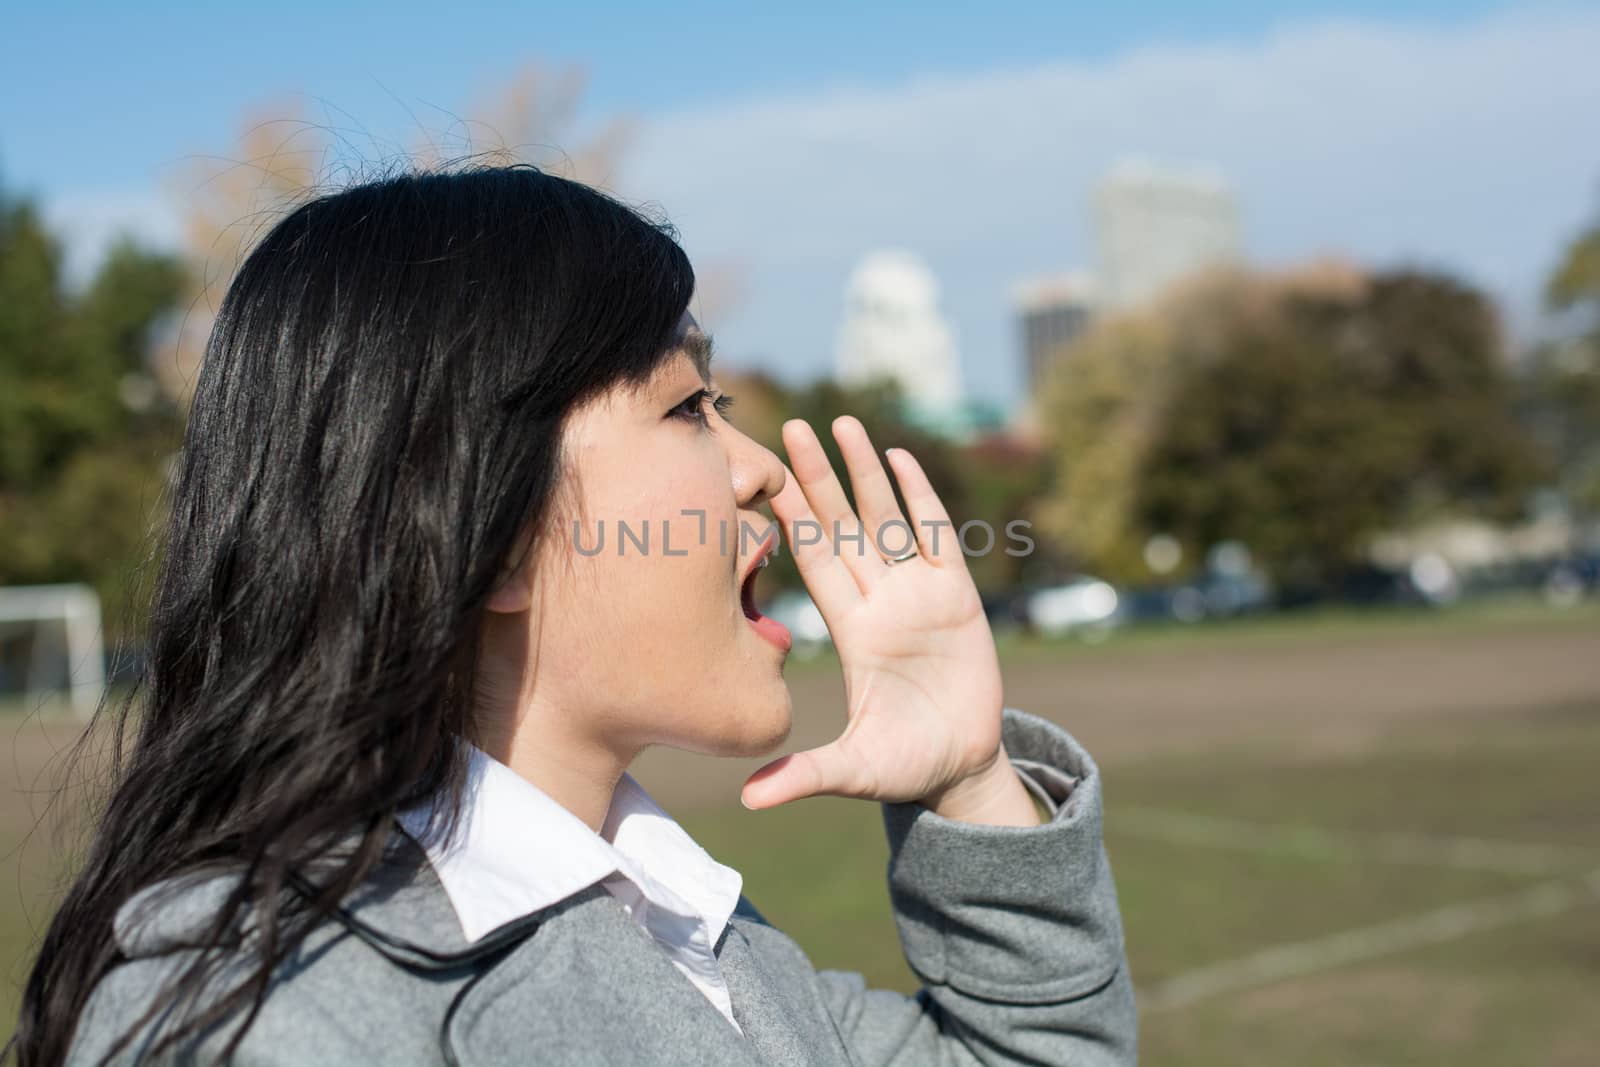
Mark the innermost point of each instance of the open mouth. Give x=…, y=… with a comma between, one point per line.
x=769, y=628
x=747, y=591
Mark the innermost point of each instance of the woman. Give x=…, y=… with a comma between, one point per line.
x=376, y=806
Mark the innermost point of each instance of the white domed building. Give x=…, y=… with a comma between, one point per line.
x=893, y=328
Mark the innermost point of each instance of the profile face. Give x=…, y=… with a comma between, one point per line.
x=645, y=638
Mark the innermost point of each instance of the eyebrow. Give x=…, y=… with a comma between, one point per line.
x=698, y=346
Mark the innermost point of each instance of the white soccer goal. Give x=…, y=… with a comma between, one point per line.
x=50, y=642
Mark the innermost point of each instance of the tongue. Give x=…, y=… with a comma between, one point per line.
x=773, y=631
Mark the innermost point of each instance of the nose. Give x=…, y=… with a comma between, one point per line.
x=758, y=474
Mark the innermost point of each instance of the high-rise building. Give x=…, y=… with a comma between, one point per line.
x=1051, y=313
x=893, y=328
x=1153, y=226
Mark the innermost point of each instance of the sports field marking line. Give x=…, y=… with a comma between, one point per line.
x=1298, y=959
x=1308, y=842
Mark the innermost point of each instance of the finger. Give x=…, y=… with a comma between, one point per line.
x=827, y=579
x=887, y=529
x=824, y=771
x=844, y=534
x=936, y=534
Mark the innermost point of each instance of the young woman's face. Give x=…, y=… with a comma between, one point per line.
x=639, y=633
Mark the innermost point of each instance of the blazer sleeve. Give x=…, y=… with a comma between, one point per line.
x=1014, y=931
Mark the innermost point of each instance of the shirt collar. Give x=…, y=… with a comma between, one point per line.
x=517, y=850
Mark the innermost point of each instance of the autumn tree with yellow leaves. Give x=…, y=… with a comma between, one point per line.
x=227, y=202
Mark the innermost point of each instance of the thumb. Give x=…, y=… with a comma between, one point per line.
x=813, y=772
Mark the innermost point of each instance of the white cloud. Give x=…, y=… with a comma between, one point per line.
x=88, y=221
x=1473, y=148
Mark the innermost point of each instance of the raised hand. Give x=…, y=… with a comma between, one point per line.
x=922, y=679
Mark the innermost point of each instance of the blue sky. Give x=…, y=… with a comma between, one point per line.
x=1460, y=134
x=108, y=92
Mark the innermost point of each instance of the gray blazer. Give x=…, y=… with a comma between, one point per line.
x=1013, y=931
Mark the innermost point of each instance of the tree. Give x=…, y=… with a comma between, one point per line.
x=1562, y=387
x=84, y=433
x=1575, y=284
x=1000, y=480
x=988, y=482
x=282, y=157
x=879, y=408
x=533, y=118
x=1101, y=406
x=1299, y=414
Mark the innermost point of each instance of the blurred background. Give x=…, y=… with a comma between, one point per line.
x=1276, y=327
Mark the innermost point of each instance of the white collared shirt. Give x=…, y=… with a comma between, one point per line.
x=517, y=850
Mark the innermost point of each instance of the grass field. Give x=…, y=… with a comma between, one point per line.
x=1347, y=838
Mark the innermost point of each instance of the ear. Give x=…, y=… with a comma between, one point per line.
x=513, y=593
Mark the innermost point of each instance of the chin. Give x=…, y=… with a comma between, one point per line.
x=763, y=726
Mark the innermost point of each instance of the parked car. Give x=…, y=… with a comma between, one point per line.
x=1572, y=578
x=1085, y=605
x=1208, y=596
x=1006, y=610
x=1367, y=586
x=800, y=614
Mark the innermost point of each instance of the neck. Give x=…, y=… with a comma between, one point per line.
x=580, y=778
x=540, y=734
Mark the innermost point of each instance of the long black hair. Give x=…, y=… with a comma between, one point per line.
x=374, y=436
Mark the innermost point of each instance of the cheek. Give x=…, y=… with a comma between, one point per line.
x=688, y=509
x=667, y=568
x=693, y=547
x=660, y=639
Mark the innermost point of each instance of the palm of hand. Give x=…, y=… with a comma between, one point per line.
x=922, y=679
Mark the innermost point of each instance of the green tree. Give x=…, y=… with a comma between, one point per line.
x=1299, y=415
x=879, y=407
x=84, y=432
x=1576, y=281
x=1000, y=480
x=992, y=482
x=1562, y=387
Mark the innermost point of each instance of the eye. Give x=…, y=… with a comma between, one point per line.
x=693, y=406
